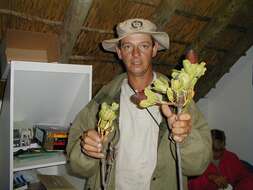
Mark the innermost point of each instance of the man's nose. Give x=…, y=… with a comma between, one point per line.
x=136, y=51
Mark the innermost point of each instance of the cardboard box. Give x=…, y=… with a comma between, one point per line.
x=31, y=46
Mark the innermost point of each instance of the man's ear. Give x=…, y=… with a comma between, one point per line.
x=155, y=49
x=118, y=52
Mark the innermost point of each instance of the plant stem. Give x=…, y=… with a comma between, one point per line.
x=179, y=165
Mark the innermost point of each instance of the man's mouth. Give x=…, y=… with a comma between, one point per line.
x=136, y=62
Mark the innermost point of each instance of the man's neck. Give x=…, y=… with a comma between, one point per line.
x=139, y=83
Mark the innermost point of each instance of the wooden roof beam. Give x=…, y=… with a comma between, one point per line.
x=216, y=25
x=48, y=21
x=144, y=2
x=73, y=21
x=30, y=17
x=164, y=11
x=59, y=23
x=93, y=58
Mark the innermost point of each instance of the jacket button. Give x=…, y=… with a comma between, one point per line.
x=154, y=178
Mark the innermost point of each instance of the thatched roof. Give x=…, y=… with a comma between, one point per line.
x=221, y=31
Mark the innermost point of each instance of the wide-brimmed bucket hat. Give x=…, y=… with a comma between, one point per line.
x=137, y=25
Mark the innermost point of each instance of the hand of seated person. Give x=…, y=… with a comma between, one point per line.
x=219, y=180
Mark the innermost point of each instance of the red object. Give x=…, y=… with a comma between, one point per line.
x=60, y=143
x=192, y=56
x=231, y=167
x=138, y=97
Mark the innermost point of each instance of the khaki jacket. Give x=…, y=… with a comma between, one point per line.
x=195, y=151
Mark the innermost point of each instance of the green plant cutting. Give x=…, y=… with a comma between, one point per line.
x=107, y=114
x=179, y=91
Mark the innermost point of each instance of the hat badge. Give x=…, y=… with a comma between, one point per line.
x=137, y=25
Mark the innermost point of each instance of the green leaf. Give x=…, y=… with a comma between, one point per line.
x=161, y=84
x=151, y=100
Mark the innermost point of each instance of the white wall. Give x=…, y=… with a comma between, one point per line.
x=229, y=107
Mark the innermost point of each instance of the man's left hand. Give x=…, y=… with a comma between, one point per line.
x=180, y=124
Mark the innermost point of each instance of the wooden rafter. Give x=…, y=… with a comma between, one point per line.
x=101, y=31
x=144, y=2
x=48, y=21
x=93, y=58
x=216, y=25
x=97, y=30
x=59, y=23
x=30, y=17
x=164, y=11
x=73, y=21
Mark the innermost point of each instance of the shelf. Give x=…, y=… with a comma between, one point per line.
x=52, y=159
x=33, y=145
x=39, y=93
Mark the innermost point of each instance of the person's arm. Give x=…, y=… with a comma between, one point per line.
x=219, y=180
x=203, y=182
x=210, y=179
x=242, y=178
x=80, y=163
x=199, y=182
x=196, y=150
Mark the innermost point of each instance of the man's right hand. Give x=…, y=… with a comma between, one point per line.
x=91, y=144
x=219, y=180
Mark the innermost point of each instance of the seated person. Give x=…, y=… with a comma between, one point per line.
x=225, y=171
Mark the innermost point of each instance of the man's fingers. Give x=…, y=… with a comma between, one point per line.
x=89, y=148
x=172, y=119
x=178, y=139
x=184, y=116
x=92, y=142
x=92, y=151
x=180, y=126
x=92, y=134
x=180, y=131
x=166, y=110
x=93, y=154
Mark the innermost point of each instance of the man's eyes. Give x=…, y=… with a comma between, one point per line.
x=127, y=46
x=144, y=46
x=141, y=46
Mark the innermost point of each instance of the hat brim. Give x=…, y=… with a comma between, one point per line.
x=161, y=38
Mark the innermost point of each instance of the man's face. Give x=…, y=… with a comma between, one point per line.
x=137, y=51
x=218, y=149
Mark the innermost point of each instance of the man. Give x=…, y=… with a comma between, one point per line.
x=225, y=171
x=145, y=156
